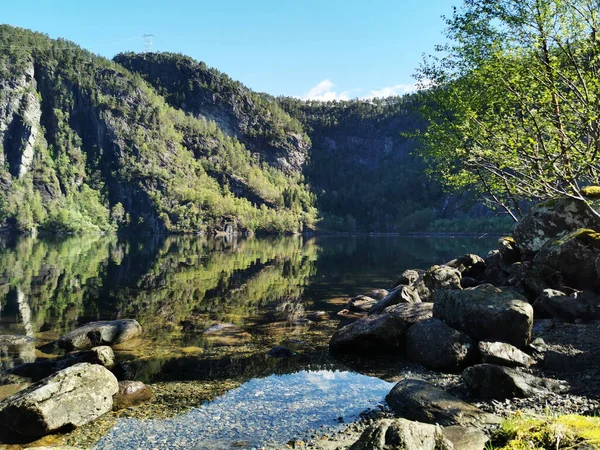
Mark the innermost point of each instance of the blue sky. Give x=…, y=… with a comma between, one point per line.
x=322, y=49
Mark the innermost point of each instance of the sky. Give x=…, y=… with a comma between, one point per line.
x=327, y=49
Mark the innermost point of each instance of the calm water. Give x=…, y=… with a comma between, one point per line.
x=210, y=309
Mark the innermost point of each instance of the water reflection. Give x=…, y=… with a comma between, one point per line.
x=262, y=412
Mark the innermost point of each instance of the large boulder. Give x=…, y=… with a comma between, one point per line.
x=495, y=269
x=371, y=334
x=466, y=438
x=71, y=397
x=504, y=354
x=100, y=333
x=402, y=434
x=490, y=381
x=487, y=313
x=469, y=265
x=422, y=401
x=437, y=278
x=15, y=350
x=408, y=277
x=576, y=256
x=551, y=219
x=411, y=313
x=578, y=306
x=401, y=294
x=435, y=345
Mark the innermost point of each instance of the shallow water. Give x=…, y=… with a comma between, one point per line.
x=210, y=309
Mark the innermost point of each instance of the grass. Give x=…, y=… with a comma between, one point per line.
x=547, y=432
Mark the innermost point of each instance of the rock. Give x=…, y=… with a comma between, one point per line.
x=576, y=256
x=437, y=278
x=578, y=306
x=361, y=303
x=411, y=313
x=371, y=334
x=15, y=350
x=551, y=219
x=102, y=355
x=435, y=345
x=131, y=393
x=280, y=351
x=504, y=354
x=470, y=265
x=466, y=438
x=318, y=316
x=100, y=333
x=71, y=397
x=468, y=282
x=487, y=313
x=402, y=434
x=508, y=250
x=218, y=327
x=495, y=269
x=401, y=294
x=422, y=401
x=378, y=294
x=408, y=277
x=490, y=381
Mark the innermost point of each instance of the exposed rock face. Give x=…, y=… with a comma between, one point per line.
x=576, y=256
x=466, y=438
x=435, y=345
x=470, y=265
x=101, y=333
x=131, y=393
x=577, y=306
x=15, y=350
x=422, y=401
x=437, y=278
x=487, y=313
x=551, y=219
x=489, y=381
x=411, y=313
x=504, y=354
x=361, y=303
x=402, y=434
x=402, y=294
x=372, y=334
x=73, y=396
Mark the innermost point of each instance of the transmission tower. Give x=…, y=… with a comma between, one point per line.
x=147, y=40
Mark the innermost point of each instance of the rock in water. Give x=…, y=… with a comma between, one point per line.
x=361, y=303
x=372, y=334
x=280, y=351
x=422, y=401
x=504, y=354
x=100, y=333
x=15, y=350
x=73, y=396
x=435, y=345
x=131, y=393
x=486, y=312
x=378, y=294
x=401, y=294
x=402, y=434
x=489, y=381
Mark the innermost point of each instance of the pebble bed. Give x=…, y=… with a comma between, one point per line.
x=262, y=413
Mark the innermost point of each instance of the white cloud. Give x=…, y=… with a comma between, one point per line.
x=324, y=91
x=398, y=89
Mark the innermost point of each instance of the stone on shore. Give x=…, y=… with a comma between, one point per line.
x=71, y=397
x=469, y=265
x=466, y=438
x=401, y=294
x=361, y=303
x=408, y=277
x=504, y=354
x=556, y=304
x=131, y=393
x=378, y=294
x=435, y=345
x=371, y=334
x=402, y=434
x=424, y=402
x=100, y=333
x=437, y=278
x=487, y=313
x=411, y=313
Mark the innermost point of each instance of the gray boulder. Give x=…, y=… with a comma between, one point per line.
x=371, y=334
x=551, y=219
x=576, y=256
x=504, y=354
x=408, y=277
x=361, y=303
x=401, y=294
x=578, y=306
x=470, y=265
x=411, y=313
x=402, y=434
x=378, y=294
x=71, y=397
x=131, y=393
x=435, y=345
x=508, y=250
x=466, y=438
x=15, y=350
x=487, y=313
x=490, y=381
x=437, y=278
x=495, y=269
x=100, y=333
x=422, y=401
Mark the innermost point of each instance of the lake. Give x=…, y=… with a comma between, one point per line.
x=210, y=309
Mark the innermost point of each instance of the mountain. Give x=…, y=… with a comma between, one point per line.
x=89, y=146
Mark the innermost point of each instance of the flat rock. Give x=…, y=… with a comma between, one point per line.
x=424, y=402
x=131, y=393
x=504, y=354
x=466, y=438
x=71, y=397
x=487, y=313
x=490, y=381
x=100, y=333
x=371, y=334
x=435, y=345
x=402, y=434
x=361, y=303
